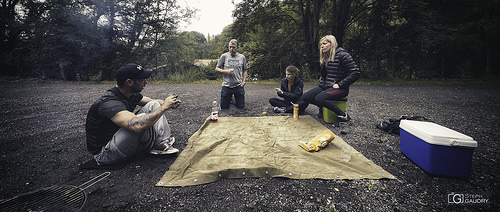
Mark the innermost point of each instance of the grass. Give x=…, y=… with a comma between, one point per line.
x=184, y=80
x=494, y=81
x=431, y=82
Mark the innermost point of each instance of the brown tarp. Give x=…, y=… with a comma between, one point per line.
x=267, y=146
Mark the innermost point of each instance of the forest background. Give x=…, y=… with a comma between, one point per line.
x=87, y=40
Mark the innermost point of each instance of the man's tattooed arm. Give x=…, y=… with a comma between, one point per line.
x=138, y=123
x=145, y=120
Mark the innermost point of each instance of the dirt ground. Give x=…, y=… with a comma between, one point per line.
x=42, y=144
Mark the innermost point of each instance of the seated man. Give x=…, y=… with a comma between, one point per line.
x=115, y=133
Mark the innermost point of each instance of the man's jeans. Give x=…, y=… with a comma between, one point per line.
x=125, y=144
x=227, y=94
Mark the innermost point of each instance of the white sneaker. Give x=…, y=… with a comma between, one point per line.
x=279, y=109
x=164, y=149
x=171, y=141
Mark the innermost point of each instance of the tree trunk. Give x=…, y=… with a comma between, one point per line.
x=341, y=14
x=310, y=11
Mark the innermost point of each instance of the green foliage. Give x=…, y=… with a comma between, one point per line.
x=83, y=40
x=187, y=76
x=209, y=71
x=269, y=33
x=389, y=39
x=191, y=74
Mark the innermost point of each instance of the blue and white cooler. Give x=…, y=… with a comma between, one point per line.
x=436, y=149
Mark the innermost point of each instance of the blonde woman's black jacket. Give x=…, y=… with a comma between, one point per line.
x=343, y=71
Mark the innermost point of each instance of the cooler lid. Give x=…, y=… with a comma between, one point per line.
x=433, y=133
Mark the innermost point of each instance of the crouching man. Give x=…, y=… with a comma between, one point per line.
x=115, y=133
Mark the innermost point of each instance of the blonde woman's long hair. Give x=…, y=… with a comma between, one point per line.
x=331, y=55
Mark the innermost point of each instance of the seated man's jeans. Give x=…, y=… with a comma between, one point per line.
x=125, y=144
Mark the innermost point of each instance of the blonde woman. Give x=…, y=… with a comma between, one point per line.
x=338, y=72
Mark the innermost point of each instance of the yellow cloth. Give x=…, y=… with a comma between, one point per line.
x=268, y=146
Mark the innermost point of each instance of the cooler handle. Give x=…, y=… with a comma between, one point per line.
x=456, y=142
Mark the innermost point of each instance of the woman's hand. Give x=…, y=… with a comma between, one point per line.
x=336, y=85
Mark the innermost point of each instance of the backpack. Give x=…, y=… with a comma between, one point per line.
x=392, y=126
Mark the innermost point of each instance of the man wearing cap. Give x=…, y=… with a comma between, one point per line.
x=115, y=133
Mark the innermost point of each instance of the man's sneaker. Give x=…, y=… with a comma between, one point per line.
x=344, y=118
x=164, y=149
x=279, y=109
x=171, y=141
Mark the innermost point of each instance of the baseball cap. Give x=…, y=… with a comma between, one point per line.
x=132, y=71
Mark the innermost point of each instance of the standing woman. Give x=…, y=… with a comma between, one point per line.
x=338, y=72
